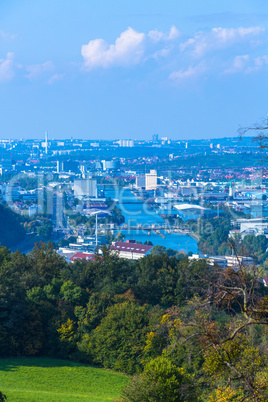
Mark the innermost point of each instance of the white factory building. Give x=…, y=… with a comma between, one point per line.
x=85, y=188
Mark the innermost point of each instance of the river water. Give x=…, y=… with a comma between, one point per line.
x=136, y=212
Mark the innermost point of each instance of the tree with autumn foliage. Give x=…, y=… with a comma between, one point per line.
x=161, y=380
x=213, y=336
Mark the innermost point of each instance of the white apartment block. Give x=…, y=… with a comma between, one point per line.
x=151, y=180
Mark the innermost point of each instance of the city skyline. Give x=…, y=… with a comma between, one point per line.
x=115, y=71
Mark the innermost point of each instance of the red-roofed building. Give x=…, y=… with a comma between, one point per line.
x=131, y=250
x=83, y=256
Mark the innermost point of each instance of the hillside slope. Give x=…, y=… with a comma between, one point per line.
x=11, y=230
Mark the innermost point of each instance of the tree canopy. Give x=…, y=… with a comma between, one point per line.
x=185, y=329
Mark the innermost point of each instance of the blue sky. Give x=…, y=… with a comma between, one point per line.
x=128, y=69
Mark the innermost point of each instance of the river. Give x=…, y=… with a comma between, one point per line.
x=136, y=212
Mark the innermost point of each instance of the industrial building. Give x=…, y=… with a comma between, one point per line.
x=189, y=212
x=85, y=188
x=131, y=250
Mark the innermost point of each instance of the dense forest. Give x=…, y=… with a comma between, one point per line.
x=184, y=331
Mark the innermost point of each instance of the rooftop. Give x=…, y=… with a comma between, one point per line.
x=83, y=256
x=131, y=247
x=182, y=207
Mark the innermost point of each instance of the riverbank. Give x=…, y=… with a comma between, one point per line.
x=138, y=214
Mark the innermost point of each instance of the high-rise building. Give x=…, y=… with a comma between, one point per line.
x=151, y=180
x=126, y=143
x=140, y=181
x=109, y=165
x=85, y=188
x=155, y=138
x=46, y=137
x=59, y=166
x=46, y=144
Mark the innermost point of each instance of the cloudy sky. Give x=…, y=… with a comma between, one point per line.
x=128, y=69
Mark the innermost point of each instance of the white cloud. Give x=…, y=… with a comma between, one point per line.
x=54, y=78
x=247, y=65
x=218, y=38
x=259, y=62
x=161, y=53
x=128, y=49
x=232, y=34
x=240, y=61
x=173, y=33
x=239, y=64
x=35, y=70
x=157, y=36
x=216, y=51
x=7, y=67
x=190, y=72
x=5, y=35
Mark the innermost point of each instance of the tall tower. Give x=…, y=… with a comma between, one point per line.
x=46, y=143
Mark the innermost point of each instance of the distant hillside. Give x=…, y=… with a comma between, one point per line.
x=11, y=230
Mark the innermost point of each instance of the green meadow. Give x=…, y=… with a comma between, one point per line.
x=45, y=379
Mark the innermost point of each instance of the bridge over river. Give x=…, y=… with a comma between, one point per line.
x=143, y=223
x=162, y=230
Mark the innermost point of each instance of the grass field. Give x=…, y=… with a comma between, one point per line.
x=44, y=379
